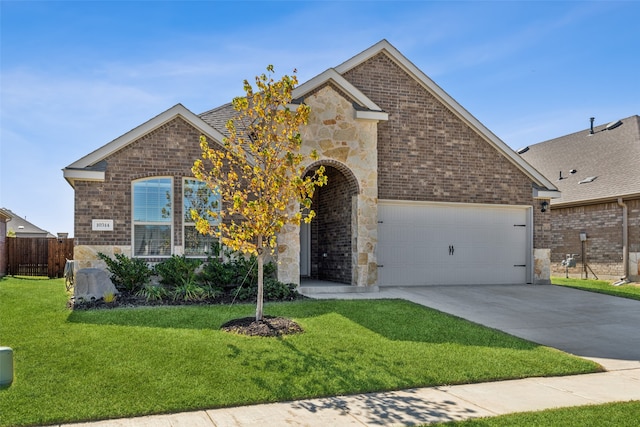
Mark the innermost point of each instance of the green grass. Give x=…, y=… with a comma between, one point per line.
x=88, y=365
x=600, y=286
x=621, y=414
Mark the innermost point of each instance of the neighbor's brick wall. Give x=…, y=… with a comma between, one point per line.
x=169, y=150
x=634, y=224
x=603, y=248
x=427, y=153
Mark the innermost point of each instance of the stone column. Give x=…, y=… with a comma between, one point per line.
x=288, y=255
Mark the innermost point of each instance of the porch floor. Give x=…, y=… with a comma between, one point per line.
x=314, y=287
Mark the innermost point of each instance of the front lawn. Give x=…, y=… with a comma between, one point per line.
x=623, y=414
x=88, y=365
x=601, y=286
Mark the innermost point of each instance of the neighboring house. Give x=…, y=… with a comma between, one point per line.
x=598, y=173
x=419, y=192
x=4, y=218
x=20, y=227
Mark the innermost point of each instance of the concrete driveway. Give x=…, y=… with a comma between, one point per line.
x=595, y=326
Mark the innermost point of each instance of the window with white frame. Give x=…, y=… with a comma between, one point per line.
x=152, y=217
x=199, y=197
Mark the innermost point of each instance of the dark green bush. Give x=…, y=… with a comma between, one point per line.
x=127, y=274
x=177, y=270
x=246, y=270
x=191, y=280
x=274, y=290
x=239, y=270
x=216, y=274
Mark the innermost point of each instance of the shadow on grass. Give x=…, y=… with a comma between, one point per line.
x=395, y=320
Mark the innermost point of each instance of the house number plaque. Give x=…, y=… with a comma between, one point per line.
x=102, y=225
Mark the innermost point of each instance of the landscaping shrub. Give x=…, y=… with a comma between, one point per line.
x=274, y=290
x=216, y=274
x=177, y=270
x=152, y=292
x=179, y=280
x=237, y=271
x=188, y=291
x=127, y=274
x=245, y=270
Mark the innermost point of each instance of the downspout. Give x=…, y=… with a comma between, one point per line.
x=625, y=239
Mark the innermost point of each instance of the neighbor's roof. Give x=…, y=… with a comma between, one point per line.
x=22, y=227
x=609, y=158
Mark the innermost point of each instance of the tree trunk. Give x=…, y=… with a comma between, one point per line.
x=260, y=280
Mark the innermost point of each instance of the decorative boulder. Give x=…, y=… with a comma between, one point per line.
x=92, y=283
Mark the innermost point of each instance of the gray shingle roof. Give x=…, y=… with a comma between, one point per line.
x=612, y=156
x=218, y=117
x=23, y=228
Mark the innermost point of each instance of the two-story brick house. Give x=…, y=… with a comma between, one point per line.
x=420, y=192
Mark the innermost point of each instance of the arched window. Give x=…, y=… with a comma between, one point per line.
x=152, y=217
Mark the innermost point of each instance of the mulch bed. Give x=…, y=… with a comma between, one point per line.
x=267, y=327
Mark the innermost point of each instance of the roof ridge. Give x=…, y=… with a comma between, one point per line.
x=596, y=129
x=214, y=109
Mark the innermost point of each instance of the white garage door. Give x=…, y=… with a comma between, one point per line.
x=453, y=244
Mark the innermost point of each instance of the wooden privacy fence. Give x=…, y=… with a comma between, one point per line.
x=37, y=256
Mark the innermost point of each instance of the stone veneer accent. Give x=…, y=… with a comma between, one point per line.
x=347, y=147
x=542, y=266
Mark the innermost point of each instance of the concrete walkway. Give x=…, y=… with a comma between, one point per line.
x=621, y=382
x=411, y=407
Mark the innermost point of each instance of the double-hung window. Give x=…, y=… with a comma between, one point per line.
x=152, y=217
x=198, y=196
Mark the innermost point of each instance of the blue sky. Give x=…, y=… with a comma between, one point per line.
x=76, y=75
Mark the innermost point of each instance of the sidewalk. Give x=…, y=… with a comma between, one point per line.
x=411, y=407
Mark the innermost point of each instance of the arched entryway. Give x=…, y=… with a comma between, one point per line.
x=326, y=245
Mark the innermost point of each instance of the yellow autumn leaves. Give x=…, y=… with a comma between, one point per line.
x=259, y=171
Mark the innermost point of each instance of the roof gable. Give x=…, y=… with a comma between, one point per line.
x=91, y=167
x=611, y=156
x=386, y=48
x=368, y=109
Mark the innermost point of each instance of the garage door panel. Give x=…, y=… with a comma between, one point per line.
x=422, y=244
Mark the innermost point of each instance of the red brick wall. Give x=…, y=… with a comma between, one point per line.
x=603, y=248
x=425, y=152
x=169, y=150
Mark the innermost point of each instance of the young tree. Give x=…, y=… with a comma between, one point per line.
x=258, y=172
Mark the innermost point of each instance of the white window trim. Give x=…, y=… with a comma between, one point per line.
x=170, y=223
